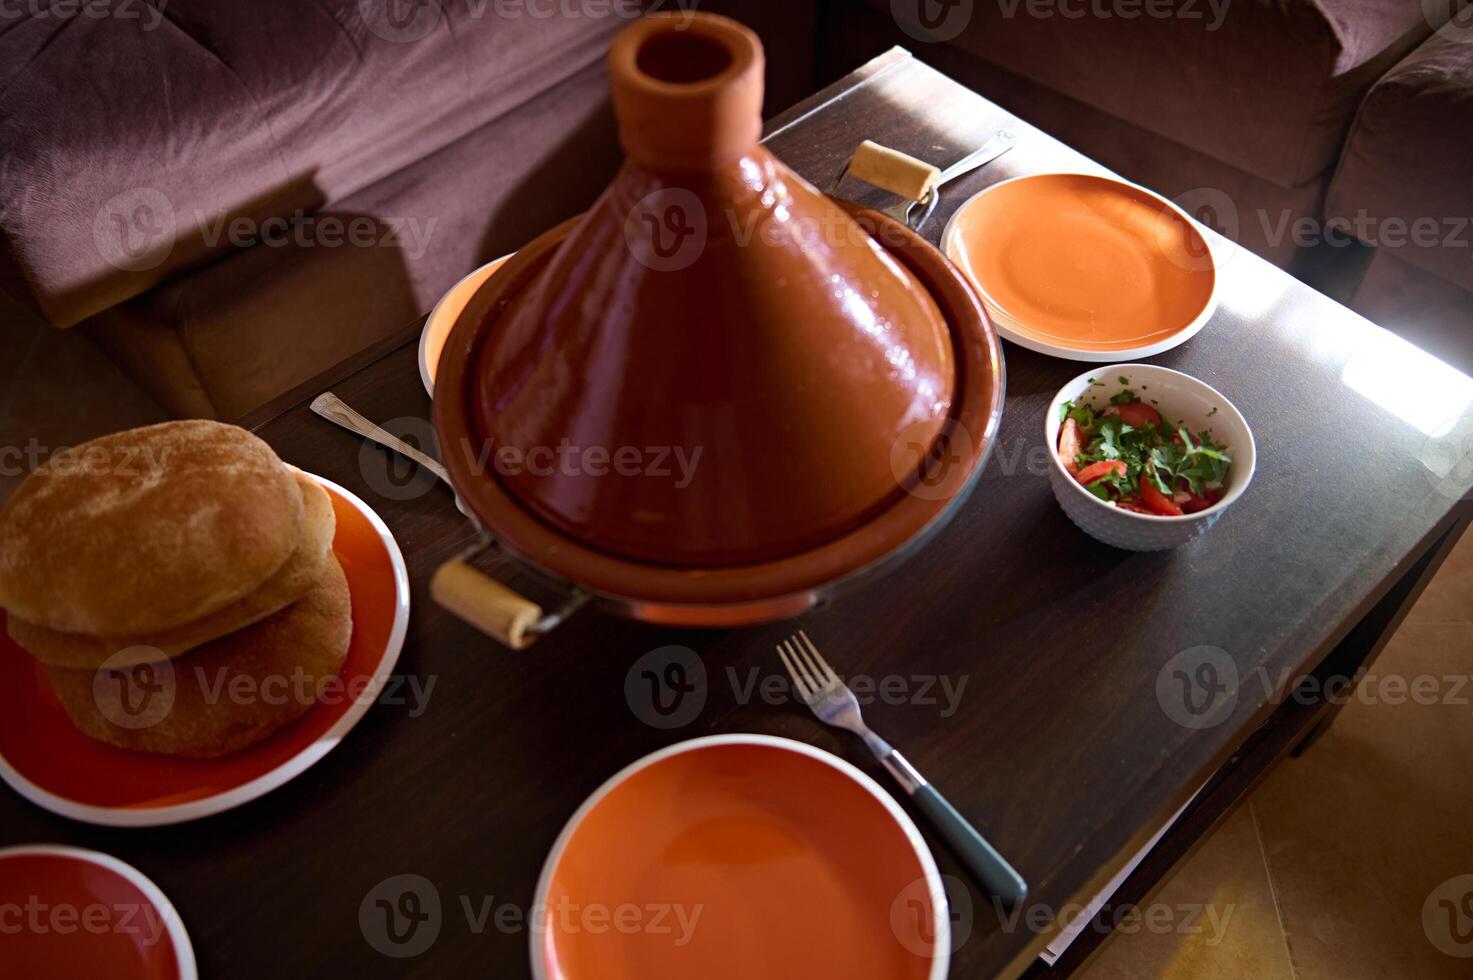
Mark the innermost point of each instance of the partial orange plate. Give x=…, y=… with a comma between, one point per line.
x=443, y=317
x=85, y=914
x=1085, y=267
x=45, y=759
x=740, y=856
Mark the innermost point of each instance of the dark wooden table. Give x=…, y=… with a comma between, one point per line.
x=1065, y=746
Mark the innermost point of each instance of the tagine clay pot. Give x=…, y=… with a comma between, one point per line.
x=715, y=387
x=751, y=352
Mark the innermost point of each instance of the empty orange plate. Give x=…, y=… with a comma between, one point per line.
x=76, y=913
x=740, y=856
x=45, y=759
x=1084, y=267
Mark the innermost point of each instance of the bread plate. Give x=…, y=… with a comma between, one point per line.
x=45, y=759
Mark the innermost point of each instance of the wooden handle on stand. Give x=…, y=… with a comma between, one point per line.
x=896, y=172
x=486, y=604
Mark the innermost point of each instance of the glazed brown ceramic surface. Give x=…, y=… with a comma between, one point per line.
x=758, y=591
x=715, y=364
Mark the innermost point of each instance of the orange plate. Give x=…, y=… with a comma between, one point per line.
x=45, y=758
x=78, y=913
x=1079, y=263
x=740, y=856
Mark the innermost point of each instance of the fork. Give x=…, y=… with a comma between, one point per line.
x=834, y=704
x=338, y=412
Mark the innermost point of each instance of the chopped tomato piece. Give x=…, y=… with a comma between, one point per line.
x=1097, y=471
x=1137, y=414
x=1070, y=445
x=1152, y=465
x=1196, y=502
x=1157, y=501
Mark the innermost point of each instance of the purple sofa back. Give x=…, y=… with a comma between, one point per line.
x=140, y=141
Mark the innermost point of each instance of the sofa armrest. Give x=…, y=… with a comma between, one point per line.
x=1267, y=86
x=1403, y=181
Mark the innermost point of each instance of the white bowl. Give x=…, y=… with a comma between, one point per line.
x=1179, y=396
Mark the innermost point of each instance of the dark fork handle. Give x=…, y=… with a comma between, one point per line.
x=971, y=848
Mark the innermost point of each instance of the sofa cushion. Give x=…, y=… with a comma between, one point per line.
x=1423, y=308
x=1268, y=86
x=134, y=134
x=222, y=340
x=1256, y=213
x=1404, y=182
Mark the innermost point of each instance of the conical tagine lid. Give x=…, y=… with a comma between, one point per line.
x=717, y=364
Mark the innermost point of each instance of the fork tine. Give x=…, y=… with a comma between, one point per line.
x=825, y=671
x=817, y=676
x=795, y=649
x=800, y=680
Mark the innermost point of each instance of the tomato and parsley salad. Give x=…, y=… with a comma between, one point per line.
x=1128, y=455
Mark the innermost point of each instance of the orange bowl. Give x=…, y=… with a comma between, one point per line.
x=739, y=856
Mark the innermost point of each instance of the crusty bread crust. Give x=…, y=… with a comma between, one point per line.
x=232, y=692
x=148, y=529
x=300, y=573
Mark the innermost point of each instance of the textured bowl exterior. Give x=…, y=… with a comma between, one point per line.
x=1179, y=395
x=1120, y=528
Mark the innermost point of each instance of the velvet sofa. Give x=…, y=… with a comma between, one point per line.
x=1281, y=123
x=232, y=198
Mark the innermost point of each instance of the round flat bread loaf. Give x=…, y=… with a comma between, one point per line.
x=145, y=530
x=228, y=694
x=300, y=573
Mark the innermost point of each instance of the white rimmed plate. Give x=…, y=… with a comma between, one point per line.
x=706, y=845
x=45, y=759
x=134, y=931
x=1085, y=267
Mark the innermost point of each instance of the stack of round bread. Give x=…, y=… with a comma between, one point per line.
x=186, y=543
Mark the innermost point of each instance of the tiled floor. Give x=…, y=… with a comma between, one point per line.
x=1328, y=866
